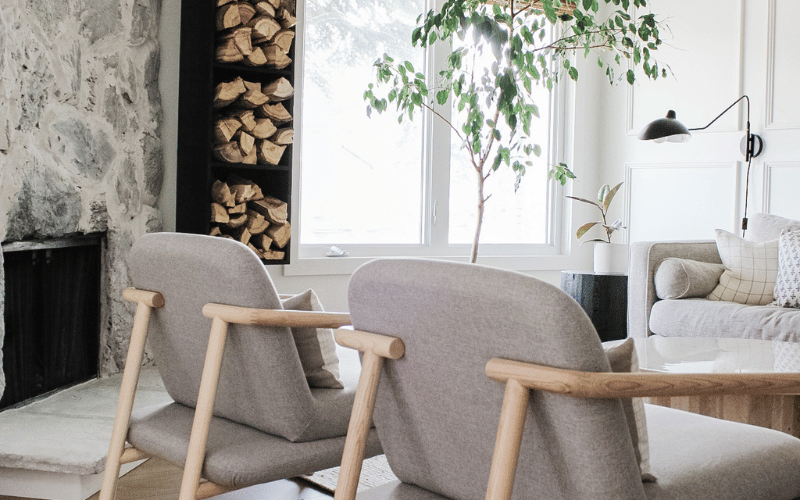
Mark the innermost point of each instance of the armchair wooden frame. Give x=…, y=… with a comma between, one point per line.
x=221, y=315
x=520, y=378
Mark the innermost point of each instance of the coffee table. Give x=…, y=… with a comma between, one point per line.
x=726, y=355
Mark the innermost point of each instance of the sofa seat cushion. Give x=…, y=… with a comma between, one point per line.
x=706, y=318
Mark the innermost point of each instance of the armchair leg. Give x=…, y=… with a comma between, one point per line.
x=203, y=410
x=130, y=379
x=358, y=429
x=509, y=439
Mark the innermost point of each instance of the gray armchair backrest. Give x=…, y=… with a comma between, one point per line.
x=437, y=412
x=261, y=383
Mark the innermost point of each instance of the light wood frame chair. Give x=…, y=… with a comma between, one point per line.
x=222, y=315
x=436, y=400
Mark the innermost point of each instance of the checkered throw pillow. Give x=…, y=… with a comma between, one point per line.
x=787, y=284
x=751, y=270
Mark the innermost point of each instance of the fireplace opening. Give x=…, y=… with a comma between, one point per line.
x=52, y=315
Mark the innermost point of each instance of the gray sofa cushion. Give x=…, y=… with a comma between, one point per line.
x=706, y=318
x=684, y=279
x=765, y=227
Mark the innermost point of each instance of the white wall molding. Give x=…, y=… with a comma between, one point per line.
x=782, y=106
x=696, y=84
x=781, y=180
x=681, y=201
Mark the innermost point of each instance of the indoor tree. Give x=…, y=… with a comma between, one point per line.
x=531, y=43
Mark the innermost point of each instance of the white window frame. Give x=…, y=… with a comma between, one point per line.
x=555, y=254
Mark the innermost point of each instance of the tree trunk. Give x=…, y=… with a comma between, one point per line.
x=481, y=207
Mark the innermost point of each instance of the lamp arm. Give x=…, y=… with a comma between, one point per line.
x=728, y=109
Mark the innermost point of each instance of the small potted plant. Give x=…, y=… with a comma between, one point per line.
x=602, y=250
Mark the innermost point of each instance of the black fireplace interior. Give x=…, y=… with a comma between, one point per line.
x=52, y=315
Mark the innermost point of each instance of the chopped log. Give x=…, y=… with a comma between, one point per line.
x=264, y=28
x=220, y=3
x=251, y=158
x=241, y=234
x=275, y=112
x=246, y=12
x=251, y=99
x=262, y=241
x=275, y=57
x=253, y=190
x=215, y=231
x=275, y=3
x=257, y=57
x=245, y=117
x=280, y=234
x=244, y=192
x=283, y=39
x=278, y=90
x=264, y=128
x=228, y=16
x=221, y=193
x=225, y=128
x=241, y=208
x=287, y=19
x=273, y=255
x=268, y=152
x=251, y=85
x=246, y=142
x=283, y=137
x=255, y=221
x=264, y=8
x=273, y=209
x=218, y=214
x=242, y=39
x=228, y=152
x=227, y=92
x=227, y=52
x=237, y=221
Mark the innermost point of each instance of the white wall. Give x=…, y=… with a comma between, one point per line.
x=720, y=49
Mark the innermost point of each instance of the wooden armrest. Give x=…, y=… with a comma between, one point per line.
x=150, y=299
x=382, y=345
x=640, y=384
x=275, y=317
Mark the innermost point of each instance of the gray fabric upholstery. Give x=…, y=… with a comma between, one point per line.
x=698, y=457
x=437, y=412
x=684, y=279
x=236, y=455
x=262, y=384
x=645, y=257
x=707, y=318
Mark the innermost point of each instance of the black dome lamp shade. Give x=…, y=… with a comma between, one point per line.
x=666, y=129
x=670, y=129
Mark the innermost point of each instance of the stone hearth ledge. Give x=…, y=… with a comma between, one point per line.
x=68, y=432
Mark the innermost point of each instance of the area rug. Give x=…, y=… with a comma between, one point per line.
x=375, y=471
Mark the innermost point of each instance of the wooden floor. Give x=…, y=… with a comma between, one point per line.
x=160, y=480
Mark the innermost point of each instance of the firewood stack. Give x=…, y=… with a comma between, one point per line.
x=252, y=124
x=254, y=32
x=240, y=211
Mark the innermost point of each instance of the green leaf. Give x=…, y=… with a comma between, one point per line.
x=631, y=77
x=409, y=66
x=537, y=150
x=582, y=230
x=584, y=200
x=573, y=73
x=610, y=196
x=441, y=97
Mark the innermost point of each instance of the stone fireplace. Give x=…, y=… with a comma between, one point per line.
x=80, y=135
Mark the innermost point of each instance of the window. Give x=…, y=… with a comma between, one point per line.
x=373, y=187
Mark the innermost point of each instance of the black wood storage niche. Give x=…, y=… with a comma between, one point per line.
x=200, y=74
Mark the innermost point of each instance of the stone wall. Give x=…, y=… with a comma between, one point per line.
x=80, y=132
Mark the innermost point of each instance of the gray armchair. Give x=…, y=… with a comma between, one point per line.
x=441, y=327
x=244, y=413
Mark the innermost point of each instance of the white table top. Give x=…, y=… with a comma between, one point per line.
x=716, y=355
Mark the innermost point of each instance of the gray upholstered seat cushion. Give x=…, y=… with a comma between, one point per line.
x=707, y=318
x=698, y=457
x=236, y=455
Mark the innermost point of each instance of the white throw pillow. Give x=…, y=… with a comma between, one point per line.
x=787, y=284
x=750, y=270
x=622, y=358
x=316, y=346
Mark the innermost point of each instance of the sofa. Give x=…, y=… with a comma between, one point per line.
x=669, y=284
